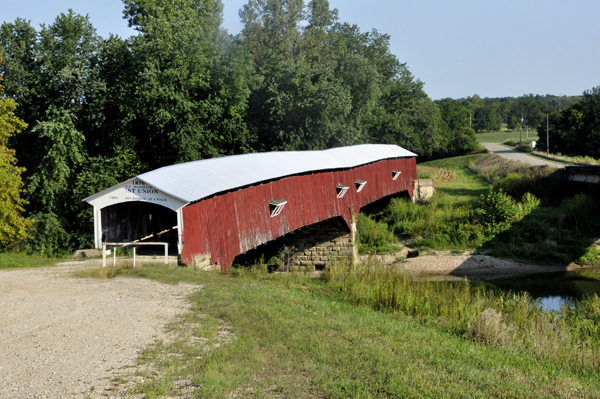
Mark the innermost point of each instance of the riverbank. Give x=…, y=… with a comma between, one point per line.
x=444, y=265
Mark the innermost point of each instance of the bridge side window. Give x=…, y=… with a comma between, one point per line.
x=276, y=206
x=360, y=184
x=396, y=174
x=341, y=190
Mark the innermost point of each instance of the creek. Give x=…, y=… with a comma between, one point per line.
x=552, y=290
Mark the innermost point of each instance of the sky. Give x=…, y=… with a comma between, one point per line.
x=457, y=48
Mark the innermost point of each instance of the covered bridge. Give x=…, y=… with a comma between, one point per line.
x=222, y=207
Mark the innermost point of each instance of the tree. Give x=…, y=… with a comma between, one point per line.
x=56, y=67
x=14, y=227
x=513, y=123
x=576, y=130
x=486, y=118
x=457, y=137
x=190, y=84
x=63, y=153
x=527, y=109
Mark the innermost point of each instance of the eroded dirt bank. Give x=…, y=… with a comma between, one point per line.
x=445, y=266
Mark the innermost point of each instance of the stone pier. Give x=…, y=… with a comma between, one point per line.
x=315, y=246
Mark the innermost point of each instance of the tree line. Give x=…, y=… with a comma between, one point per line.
x=576, y=129
x=94, y=111
x=572, y=123
x=527, y=111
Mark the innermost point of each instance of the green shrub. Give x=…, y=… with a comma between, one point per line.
x=529, y=203
x=523, y=148
x=496, y=211
x=48, y=237
x=374, y=236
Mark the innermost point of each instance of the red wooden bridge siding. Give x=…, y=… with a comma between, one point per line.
x=233, y=223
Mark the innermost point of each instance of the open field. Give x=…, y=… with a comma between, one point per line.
x=500, y=137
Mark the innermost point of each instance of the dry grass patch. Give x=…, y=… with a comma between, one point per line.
x=439, y=175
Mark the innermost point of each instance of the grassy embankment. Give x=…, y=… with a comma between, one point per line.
x=547, y=227
x=360, y=332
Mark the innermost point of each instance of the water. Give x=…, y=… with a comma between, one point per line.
x=552, y=290
x=554, y=302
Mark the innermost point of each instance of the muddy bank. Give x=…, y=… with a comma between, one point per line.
x=446, y=266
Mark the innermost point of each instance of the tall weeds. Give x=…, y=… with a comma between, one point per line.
x=517, y=178
x=512, y=320
x=439, y=175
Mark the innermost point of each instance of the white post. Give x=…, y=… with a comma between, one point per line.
x=166, y=254
x=103, y=255
x=179, y=230
x=114, y=256
x=134, y=256
x=97, y=239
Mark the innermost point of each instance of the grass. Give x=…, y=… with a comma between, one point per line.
x=254, y=334
x=466, y=187
x=15, y=260
x=502, y=136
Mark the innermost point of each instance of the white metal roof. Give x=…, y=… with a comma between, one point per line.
x=195, y=180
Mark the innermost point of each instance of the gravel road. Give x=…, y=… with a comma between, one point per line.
x=63, y=337
x=518, y=156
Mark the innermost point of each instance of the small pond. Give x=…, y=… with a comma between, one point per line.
x=554, y=289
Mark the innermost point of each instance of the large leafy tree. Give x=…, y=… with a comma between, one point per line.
x=56, y=67
x=190, y=84
x=321, y=83
x=456, y=135
x=14, y=227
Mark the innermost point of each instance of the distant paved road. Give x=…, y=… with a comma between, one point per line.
x=518, y=156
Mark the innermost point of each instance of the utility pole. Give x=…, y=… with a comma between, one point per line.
x=520, y=130
x=547, y=137
x=469, y=121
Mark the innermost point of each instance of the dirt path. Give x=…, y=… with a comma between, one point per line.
x=518, y=156
x=62, y=337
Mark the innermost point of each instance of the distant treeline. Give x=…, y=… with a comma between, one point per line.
x=576, y=129
x=572, y=122
x=527, y=111
x=101, y=110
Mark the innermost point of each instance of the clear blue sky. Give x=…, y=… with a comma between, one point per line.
x=458, y=48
